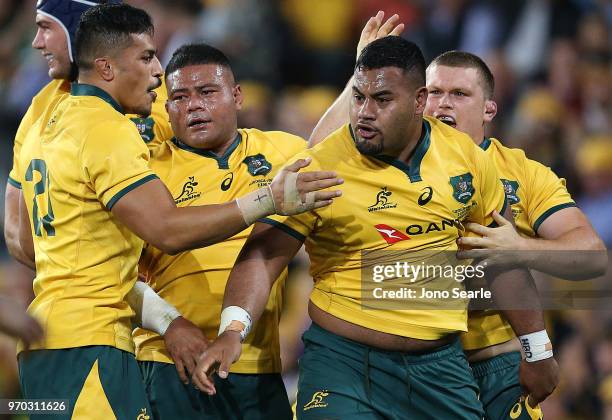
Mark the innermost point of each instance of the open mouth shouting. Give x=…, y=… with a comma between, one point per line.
x=366, y=131
x=447, y=119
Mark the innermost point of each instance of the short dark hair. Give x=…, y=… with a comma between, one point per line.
x=107, y=28
x=468, y=60
x=393, y=51
x=194, y=55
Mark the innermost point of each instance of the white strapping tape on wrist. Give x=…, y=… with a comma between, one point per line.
x=155, y=313
x=256, y=205
x=536, y=346
x=235, y=313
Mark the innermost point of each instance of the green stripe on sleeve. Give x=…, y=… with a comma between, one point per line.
x=127, y=189
x=289, y=231
x=14, y=182
x=549, y=212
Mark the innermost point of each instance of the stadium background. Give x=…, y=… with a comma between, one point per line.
x=552, y=64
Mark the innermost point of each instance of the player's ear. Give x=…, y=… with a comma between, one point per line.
x=104, y=69
x=237, y=92
x=490, y=110
x=420, y=100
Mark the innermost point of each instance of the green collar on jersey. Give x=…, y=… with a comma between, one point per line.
x=222, y=161
x=413, y=168
x=81, y=89
x=485, y=143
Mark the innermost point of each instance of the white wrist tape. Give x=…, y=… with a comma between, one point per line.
x=536, y=346
x=153, y=312
x=292, y=202
x=235, y=313
x=256, y=205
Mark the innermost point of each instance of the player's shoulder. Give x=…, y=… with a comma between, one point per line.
x=49, y=93
x=509, y=153
x=450, y=141
x=337, y=145
x=281, y=143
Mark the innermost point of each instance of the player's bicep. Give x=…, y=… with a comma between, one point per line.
x=562, y=222
x=144, y=209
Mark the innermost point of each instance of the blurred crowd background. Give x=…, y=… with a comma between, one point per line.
x=552, y=64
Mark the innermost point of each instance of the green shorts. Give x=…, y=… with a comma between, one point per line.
x=342, y=379
x=500, y=388
x=99, y=382
x=240, y=396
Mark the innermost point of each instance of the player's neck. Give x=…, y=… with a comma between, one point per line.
x=413, y=139
x=106, y=87
x=216, y=148
x=478, y=137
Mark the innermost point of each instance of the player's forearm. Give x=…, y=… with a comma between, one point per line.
x=11, y=237
x=264, y=256
x=334, y=118
x=199, y=226
x=249, y=285
x=12, y=228
x=26, y=242
x=515, y=294
x=578, y=254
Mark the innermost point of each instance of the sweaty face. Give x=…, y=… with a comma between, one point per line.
x=52, y=42
x=203, y=101
x=137, y=73
x=384, y=109
x=456, y=97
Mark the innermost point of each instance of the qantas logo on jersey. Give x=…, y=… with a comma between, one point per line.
x=257, y=165
x=435, y=227
x=188, y=192
x=463, y=189
x=511, y=188
x=390, y=234
x=382, y=201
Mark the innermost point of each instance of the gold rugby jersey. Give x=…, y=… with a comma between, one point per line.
x=76, y=162
x=47, y=95
x=194, y=281
x=387, y=205
x=534, y=193
x=153, y=130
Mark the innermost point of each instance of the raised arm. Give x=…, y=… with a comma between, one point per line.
x=337, y=114
x=266, y=253
x=150, y=212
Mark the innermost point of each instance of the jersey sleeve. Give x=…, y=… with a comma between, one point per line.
x=115, y=161
x=547, y=193
x=489, y=194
